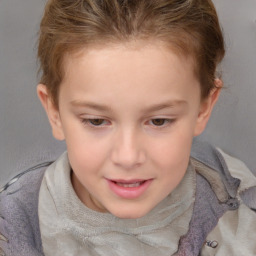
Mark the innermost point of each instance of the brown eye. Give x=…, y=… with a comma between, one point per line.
x=159, y=121
x=96, y=122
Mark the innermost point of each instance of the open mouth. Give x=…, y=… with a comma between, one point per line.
x=130, y=185
x=129, y=189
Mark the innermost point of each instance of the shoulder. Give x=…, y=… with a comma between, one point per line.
x=237, y=179
x=233, y=233
x=19, y=227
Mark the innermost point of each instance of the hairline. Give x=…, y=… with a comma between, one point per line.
x=133, y=43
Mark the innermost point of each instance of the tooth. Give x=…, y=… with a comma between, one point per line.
x=127, y=185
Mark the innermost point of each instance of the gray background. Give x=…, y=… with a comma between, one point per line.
x=25, y=136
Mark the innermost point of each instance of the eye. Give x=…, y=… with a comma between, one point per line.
x=95, y=122
x=160, y=121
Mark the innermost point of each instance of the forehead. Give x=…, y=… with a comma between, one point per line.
x=150, y=52
x=128, y=47
x=136, y=67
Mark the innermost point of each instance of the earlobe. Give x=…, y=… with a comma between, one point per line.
x=51, y=111
x=206, y=108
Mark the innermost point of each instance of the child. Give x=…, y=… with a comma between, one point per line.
x=128, y=85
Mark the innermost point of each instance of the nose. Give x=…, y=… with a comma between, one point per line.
x=127, y=151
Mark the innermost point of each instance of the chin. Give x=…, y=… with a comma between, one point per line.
x=129, y=213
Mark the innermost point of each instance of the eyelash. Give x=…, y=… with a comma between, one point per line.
x=103, y=122
x=166, y=122
x=89, y=122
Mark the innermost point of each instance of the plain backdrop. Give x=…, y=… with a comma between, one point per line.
x=25, y=135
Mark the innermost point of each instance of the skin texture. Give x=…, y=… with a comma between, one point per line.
x=128, y=112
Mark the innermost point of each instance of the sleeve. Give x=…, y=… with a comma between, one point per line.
x=247, y=187
x=19, y=225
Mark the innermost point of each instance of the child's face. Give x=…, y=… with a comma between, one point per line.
x=128, y=115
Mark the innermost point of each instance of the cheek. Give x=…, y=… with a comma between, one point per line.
x=175, y=148
x=86, y=153
x=174, y=161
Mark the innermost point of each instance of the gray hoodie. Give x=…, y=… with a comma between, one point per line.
x=220, y=224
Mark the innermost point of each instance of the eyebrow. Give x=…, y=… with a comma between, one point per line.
x=168, y=104
x=92, y=105
x=106, y=108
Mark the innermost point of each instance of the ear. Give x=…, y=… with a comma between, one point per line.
x=51, y=111
x=206, y=107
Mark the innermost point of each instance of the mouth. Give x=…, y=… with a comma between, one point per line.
x=129, y=189
x=130, y=184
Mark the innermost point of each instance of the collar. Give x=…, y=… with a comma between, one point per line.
x=65, y=219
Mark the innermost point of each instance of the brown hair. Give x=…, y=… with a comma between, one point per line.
x=190, y=26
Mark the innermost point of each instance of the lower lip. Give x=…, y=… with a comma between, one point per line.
x=129, y=193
